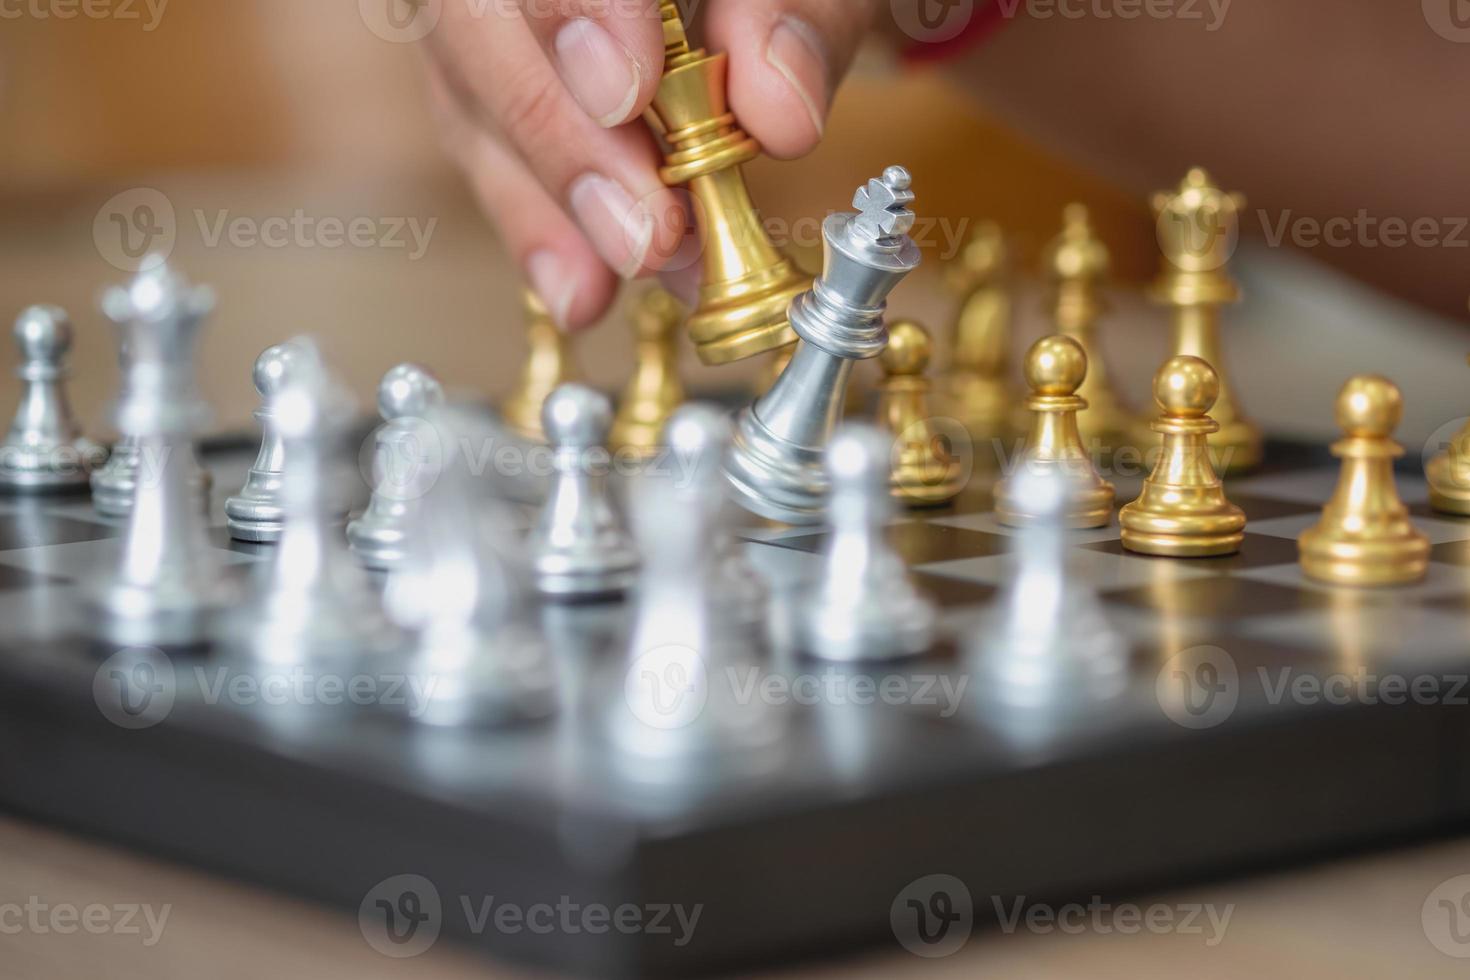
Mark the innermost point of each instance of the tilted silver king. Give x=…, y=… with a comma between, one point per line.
x=775, y=466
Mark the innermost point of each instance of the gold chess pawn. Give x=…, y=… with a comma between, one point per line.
x=925, y=472
x=977, y=387
x=1365, y=536
x=747, y=284
x=1182, y=511
x=1055, y=368
x=654, y=391
x=1448, y=473
x=1077, y=263
x=1198, y=226
x=548, y=366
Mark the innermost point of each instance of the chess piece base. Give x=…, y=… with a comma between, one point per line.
x=1090, y=501
x=1385, y=561
x=376, y=546
x=130, y=616
x=252, y=519
x=1173, y=545
x=55, y=469
x=1449, y=486
x=482, y=681
x=902, y=625
x=773, y=479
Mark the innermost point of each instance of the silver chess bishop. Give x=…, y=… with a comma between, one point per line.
x=776, y=467
x=166, y=588
x=45, y=451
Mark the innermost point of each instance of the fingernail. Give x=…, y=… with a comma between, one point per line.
x=796, y=51
x=599, y=71
x=620, y=229
x=553, y=283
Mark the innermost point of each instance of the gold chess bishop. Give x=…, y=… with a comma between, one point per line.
x=976, y=388
x=747, y=283
x=548, y=366
x=1448, y=473
x=1077, y=264
x=654, y=391
x=1055, y=368
x=926, y=473
x=1182, y=511
x=1198, y=226
x=1365, y=536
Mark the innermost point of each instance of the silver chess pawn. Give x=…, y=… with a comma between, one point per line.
x=45, y=450
x=405, y=450
x=776, y=467
x=255, y=513
x=579, y=548
x=864, y=607
x=475, y=660
x=166, y=588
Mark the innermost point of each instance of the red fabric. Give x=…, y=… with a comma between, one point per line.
x=989, y=19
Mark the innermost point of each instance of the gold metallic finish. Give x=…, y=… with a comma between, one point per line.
x=926, y=473
x=747, y=283
x=1055, y=368
x=1077, y=264
x=1365, y=536
x=1448, y=473
x=654, y=391
x=1198, y=226
x=977, y=389
x=548, y=366
x=1182, y=511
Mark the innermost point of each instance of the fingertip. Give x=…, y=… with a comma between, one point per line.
x=574, y=285
x=780, y=86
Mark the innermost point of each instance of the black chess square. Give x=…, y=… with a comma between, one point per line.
x=19, y=578
x=1258, y=508
x=953, y=593
x=39, y=530
x=918, y=543
x=1220, y=598
x=1256, y=551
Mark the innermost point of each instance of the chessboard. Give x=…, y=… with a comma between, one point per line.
x=1268, y=720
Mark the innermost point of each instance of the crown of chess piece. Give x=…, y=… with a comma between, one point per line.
x=548, y=366
x=1198, y=226
x=926, y=473
x=455, y=589
x=747, y=283
x=407, y=452
x=1365, y=536
x=977, y=387
x=654, y=391
x=255, y=513
x=776, y=465
x=1077, y=263
x=165, y=589
x=45, y=450
x=1448, y=474
x=579, y=548
x=864, y=606
x=1182, y=511
x=1055, y=368
x=315, y=604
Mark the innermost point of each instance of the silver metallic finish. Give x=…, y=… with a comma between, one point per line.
x=1047, y=645
x=579, y=548
x=406, y=455
x=864, y=607
x=316, y=604
x=166, y=588
x=255, y=513
x=477, y=663
x=776, y=466
x=45, y=450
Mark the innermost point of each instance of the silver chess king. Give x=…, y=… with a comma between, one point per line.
x=776, y=462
